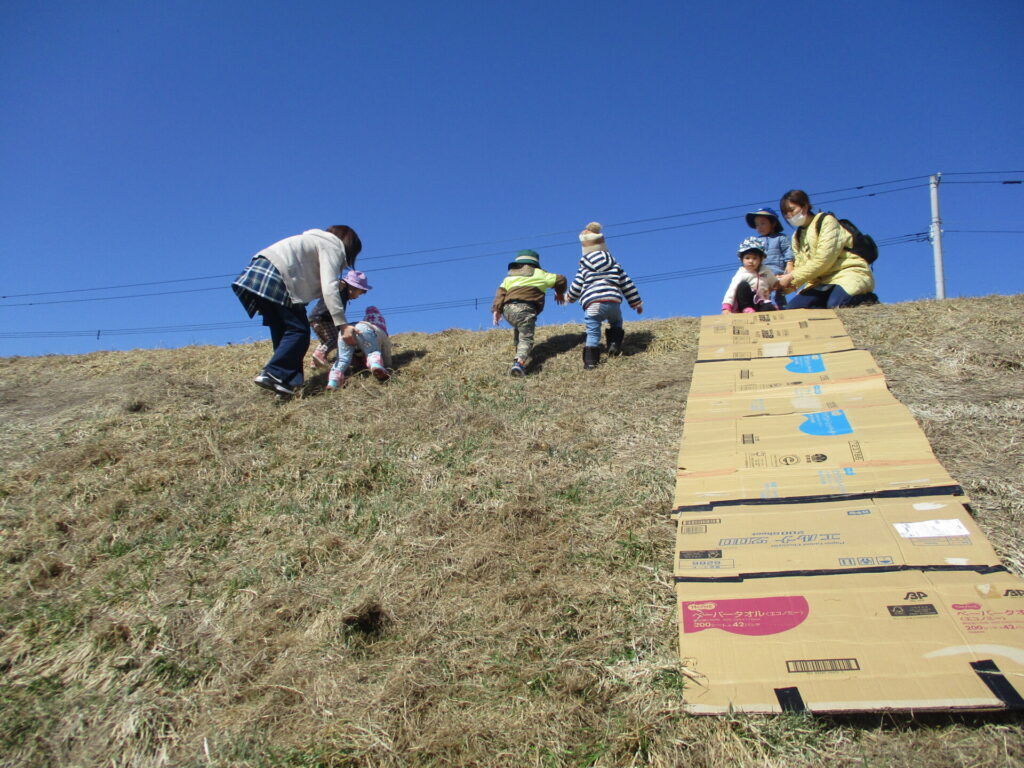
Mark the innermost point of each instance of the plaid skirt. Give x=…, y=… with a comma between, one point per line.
x=260, y=279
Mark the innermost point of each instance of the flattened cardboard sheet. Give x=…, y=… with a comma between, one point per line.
x=826, y=319
x=905, y=640
x=831, y=536
x=799, y=476
x=728, y=333
x=848, y=436
x=773, y=348
x=771, y=374
x=864, y=393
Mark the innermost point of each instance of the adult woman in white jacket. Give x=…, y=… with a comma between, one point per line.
x=278, y=283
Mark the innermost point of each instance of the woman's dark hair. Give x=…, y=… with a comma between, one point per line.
x=353, y=245
x=797, y=197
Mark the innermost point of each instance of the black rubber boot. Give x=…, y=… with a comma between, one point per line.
x=614, y=337
x=591, y=357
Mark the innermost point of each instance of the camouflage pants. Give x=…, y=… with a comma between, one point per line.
x=523, y=319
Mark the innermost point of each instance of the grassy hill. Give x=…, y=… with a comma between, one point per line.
x=454, y=568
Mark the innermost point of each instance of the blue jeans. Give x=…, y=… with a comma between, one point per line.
x=289, y=333
x=366, y=338
x=827, y=297
x=606, y=310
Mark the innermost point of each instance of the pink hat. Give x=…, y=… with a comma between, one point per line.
x=356, y=279
x=373, y=315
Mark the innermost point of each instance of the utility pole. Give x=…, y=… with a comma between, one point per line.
x=936, y=238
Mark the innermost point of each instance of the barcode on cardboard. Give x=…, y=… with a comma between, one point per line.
x=923, y=609
x=822, y=665
x=703, y=521
x=692, y=530
x=701, y=554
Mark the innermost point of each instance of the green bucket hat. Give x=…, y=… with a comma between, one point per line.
x=528, y=257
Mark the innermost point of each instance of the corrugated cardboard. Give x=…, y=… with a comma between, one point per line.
x=905, y=640
x=861, y=393
x=729, y=332
x=826, y=321
x=824, y=559
x=768, y=374
x=772, y=348
x=829, y=536
x=845, y=436
x=807, y=477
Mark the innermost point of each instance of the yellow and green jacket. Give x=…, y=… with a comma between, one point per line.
x=822, y=258
x=526, y=283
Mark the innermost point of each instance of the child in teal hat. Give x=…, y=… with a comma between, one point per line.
x=520, y=299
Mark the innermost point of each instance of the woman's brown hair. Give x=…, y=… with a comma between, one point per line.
x=353, y=245
x=797, y=197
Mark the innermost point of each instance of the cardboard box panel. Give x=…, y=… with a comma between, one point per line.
x=787, y=400
x=867, y=431
x=772, y=374
x=825, y=321
x=907, y=640
x=727, y=333
x=808, y=480
x=773, y=348
x=875, y=533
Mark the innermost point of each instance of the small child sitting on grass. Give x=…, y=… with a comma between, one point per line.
x=520, y=299
x=751, y=287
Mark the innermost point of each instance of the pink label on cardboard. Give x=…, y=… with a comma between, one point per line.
x=966, y=607
x=748, y=616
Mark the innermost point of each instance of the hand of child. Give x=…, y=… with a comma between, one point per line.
x=497, y=317
x=785, y=281
x=639, y=307
x=560, y=299
x=348, y=335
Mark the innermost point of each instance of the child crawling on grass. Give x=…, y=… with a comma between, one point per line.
x=373, y=341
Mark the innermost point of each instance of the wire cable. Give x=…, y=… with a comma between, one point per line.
x=402, y=309
x=496, y=242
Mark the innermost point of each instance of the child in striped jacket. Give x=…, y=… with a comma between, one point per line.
x=600, y=285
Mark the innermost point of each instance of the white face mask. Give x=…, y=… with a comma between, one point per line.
x=799, y=220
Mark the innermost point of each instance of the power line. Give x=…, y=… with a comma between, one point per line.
x=492, y=242
x=402, y=309
x=989, y=231
x=636, y=221
x=430, y=263
x=978, y=173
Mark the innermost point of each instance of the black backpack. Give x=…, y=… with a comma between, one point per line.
x=863, y=245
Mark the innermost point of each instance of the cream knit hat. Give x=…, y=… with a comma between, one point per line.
x=592, y=238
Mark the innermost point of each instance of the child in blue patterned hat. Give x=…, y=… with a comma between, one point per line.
x=778, y=254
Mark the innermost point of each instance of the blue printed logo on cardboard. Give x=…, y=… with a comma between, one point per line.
x=806, y=364
x=826, y=423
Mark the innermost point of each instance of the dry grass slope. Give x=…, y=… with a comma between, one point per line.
x=456, y=568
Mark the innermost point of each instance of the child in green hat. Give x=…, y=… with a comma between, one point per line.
x=520, y=298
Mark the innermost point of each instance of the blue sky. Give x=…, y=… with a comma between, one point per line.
x=145, y=143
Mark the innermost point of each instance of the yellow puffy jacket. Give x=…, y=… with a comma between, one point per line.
x=822, y=258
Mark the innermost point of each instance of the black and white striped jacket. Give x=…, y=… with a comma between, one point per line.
x=600, y=278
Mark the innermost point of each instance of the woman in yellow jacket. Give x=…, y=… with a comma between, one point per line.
x=832, y=276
